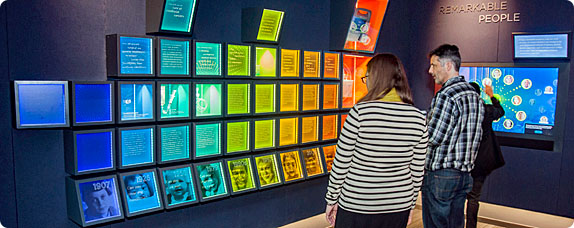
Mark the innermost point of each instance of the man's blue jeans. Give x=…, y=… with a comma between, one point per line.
x=443, y=195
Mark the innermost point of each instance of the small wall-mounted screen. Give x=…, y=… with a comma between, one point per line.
x=100, y=200
x=264, y=134
x=267, y=170
x=137, y=146
x=313, y=164
x=330, y=96
x=289, y=63
x=289, y=97
x=541, y=45
x=330, y=128
x=311, y=64
x=238, y=60
x=265, y=62
x=207, y=139
x=136, y=102
x=41, y=104
x=207, y=59
x=288, y=131
x=291, y=164
x=310, y=97
x=141, y=192
x=241, y=174
x=136, y=55
x=179, y=186
x=174, y=143
x=237, y=136
x=331, y=66
x=174, y=101
x=174, y=57
x=264, y=98
x=208, y=100
x=270, y=27
x=309, y=129
x=211, y=180
x=95, y=151
x=178, y=15
x=238, y=99
x=93, y=103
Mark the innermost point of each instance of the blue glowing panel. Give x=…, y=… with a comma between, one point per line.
x=100, y=201
x=41, y=104
x=528, y=96
x=541, y=45
x=174, y=143
x=136, y=102
x=141, y=192
x=94, y=151
x=137, y=146
x=136, y=55
x=93, y=103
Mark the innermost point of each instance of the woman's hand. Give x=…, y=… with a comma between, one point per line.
x=410, y=217
x=331, y=213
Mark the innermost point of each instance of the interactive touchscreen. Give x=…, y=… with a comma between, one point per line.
x=100, y=200
x=310, y=97
x=207, y=59
x=311, y=64
x=238, y=98
x=94, y=150
x=211, y=180
x=207, y=139
x=330, y=128
x=136, y=102
x=312, y=160
x=291, y=164
x=174, y=142
x=174, y=57
x=309, y=129
x=264, y=134
x=289, y=97
x=264, y=98
x=241, y=175
x=289, y=63
x=527, y=94
x=541, y=45
x=136, y=55
x=237, y=137
x=41, y=104
x=330, y=96
x=179, y=186
x=208, y=100
x=365, y=25
x=288, y=131
x=332, y=62
x=178, y=15
x=267, y=170
x=270, y=27
x=93, y=103
x=136, y=146
x=238, y=60
x=174, y=101
x=265, y=62
x=141, y=192
x=354, y=67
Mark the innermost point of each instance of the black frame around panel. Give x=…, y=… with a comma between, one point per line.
x=190, y=99
x=249, y=136
x=75, y=205
x=199, y=182
x=298, y=64
x=71, y=151
x=320, y=163
x=194, y=140
x=112, y=103
x=120, y=130
x=157, y=191
x=319, y=97
x=249, y=99
x=322, y=151
x=254, y=97
x=300, y=165
x=221, y=61
x=159, y=150
x=192, y=186
x=17, y=104
x=274, y=132
x=254, y=62
x=317, y=126
x=278, y=131
x=337, y=126
x=319, y=65
x=230, y=175
x=195, y=100
x=277, y=167
x=338, y=96
x=119, y=101
x=250, y=59
x=339, y=66
x=113, y=61
x=189, y=57
x=297, y=96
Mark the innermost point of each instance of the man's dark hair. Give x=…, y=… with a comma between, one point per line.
x=447, y=52
x=475, y=86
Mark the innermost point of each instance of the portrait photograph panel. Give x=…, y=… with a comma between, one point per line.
x=140, y=190
x=268, y=170
x=100, y=201
x=179, y=186
x=211, y=180
x=241, y=176
x=313, y=162
x=291, y=165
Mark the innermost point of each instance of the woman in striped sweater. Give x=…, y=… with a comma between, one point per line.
x=379, y=163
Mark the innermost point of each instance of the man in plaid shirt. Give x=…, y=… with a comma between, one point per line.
x=454, y=125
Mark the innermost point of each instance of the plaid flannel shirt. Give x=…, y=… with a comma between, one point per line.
x=455, y=126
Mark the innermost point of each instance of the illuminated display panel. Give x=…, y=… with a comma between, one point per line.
x=238, y=60
x=83, y=206
x=330, y=96
x=288, y=131
x=178, y=15
x=264, y=98
x=354, y=67
x=237, y=137
x=527, y=94
x=313, y=162
x=289, y=97
x=208, y=100
x=310, y=97
x=365, y=25
x=238, y=98
x=92, y=151
x=207, y=139
x=270, y=26
x=330, y=127
x=311, y=64
x=290, y=63
x=174, y=143
x=179, y=186
x=291, y=166
x=309, y=129
x=174, y=100
x=207, y=59
x=268, y=172
x=265, y=62
x=136, y=56
x=541, y=45
x=136, y=146
x=174, y=57
x=41, y=104
x=136, y=101
x=329, y=155
x=211, y=180
x=263, y=134
x=141, y=192
x=331, y=65
x=343, y=119
x=241, y=175
x=92, y=103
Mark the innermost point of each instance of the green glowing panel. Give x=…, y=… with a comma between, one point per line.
x=264, y=134
x=238, y=60
x=207, y=59
x=208, y=100
x=174, y=57
x=266, y=62
x=237, y=136
x=241, y=175
x=264, y=98
x=207, y=139
x=270, y=25
x=238, y=99
x=174, y=143
x=174, y=100
x=178, y=15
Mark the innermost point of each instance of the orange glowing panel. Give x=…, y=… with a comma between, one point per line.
x=343, y=118
x=329, y=155
x=289, y=97
x=331, y=65
x=354, y=68
x=289, y=63
x=311, y=64
x=288, y=131
x=330, y=128
x=365, y=25
x=310, y=97
x=330, y=96
x=309, y=129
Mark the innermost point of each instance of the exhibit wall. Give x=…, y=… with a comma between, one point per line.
x=66, y=40
x=532, y=179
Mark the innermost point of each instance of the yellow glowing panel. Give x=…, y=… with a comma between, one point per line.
x=288, y=129
x=310, y=97
x=331, y=96
x=291, y=164
x=289, y=98
x=289, y=63
x=309, y=129
x=330, y=128
x=311, y=64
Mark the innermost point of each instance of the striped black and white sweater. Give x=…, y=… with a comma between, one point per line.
x=379, y=163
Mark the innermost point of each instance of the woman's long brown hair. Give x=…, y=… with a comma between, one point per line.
x=385, y=73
